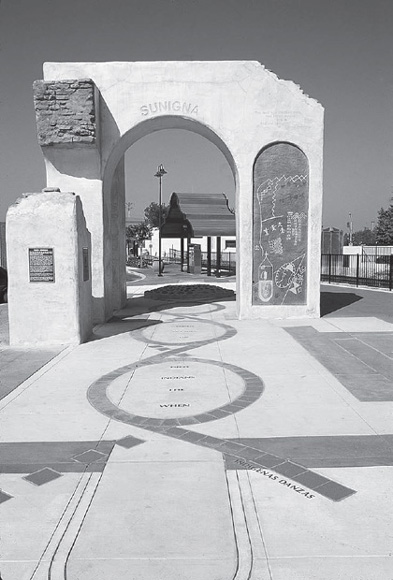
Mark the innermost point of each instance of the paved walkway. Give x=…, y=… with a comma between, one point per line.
x=18, y=364
x=182, y=443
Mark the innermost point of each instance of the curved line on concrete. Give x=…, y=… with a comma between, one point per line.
x=229, y=332
x=98, y=397
x=138, y=274
x=254, y=386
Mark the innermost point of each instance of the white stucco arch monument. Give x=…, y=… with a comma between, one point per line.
x=271, y=133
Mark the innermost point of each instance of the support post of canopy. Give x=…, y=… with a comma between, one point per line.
x=188, y=255
x=218, y=256
x=181, y=254
x=209, y=255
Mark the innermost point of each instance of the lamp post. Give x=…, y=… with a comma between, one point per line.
x=160, y=173
x=350, y=225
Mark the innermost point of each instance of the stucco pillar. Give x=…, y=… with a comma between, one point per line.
x=67, y=114
x=115, y=272
x=49, y=270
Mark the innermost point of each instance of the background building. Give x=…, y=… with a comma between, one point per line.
x=332, y=241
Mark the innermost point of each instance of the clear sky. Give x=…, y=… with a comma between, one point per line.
x=339, y=51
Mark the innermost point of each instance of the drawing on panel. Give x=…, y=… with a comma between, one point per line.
x=280, y=226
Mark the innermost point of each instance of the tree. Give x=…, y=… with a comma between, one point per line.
x=152, y=212
x=384, y=228
x=365, y=237
x=138, y=233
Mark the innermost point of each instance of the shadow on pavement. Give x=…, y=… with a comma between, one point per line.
x=332, y=301
x=4, y=332
x=131, y=317
x=118, y=325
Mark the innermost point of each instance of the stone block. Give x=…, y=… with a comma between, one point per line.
x=61, y=108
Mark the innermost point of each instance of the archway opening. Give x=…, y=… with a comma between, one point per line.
x=197, y=161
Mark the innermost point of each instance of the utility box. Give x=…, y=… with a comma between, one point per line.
x=49, y=270
x=195, y=258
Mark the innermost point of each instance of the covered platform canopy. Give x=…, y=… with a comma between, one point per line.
x=193, y=215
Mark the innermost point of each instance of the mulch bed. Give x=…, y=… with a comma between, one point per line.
x=190, y=292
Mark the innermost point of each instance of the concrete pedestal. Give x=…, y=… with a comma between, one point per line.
x=49, y=253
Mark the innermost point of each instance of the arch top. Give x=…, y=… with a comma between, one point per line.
x=161, y=123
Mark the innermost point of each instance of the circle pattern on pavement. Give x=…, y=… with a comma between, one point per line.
x=184, y=332
x=173, y=389
x=98, y=396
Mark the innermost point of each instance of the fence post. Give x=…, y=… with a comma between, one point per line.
x=357, y=269
x=330, y=268
x=390, y=272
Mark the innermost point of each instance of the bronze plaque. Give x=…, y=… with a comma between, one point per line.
x=41, y=265
x=280, y=226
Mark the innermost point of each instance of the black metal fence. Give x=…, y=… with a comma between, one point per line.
x=374, y=270
x=360, y=269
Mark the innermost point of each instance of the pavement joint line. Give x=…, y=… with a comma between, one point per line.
x=369, y=346
x=354, y=355
x=256, y=535
x=243, y=542
x=58, y=563
x=35, y=376
x=85, y=488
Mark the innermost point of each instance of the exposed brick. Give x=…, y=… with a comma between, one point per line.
x=65, y=112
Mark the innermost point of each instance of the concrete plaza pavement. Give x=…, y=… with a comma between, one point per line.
x=182, y=443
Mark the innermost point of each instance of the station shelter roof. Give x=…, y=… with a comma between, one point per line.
x=193, y=215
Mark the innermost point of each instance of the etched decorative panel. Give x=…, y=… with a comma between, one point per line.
x=280, y=226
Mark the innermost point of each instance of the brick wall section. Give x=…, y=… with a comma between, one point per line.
x=65, y=112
